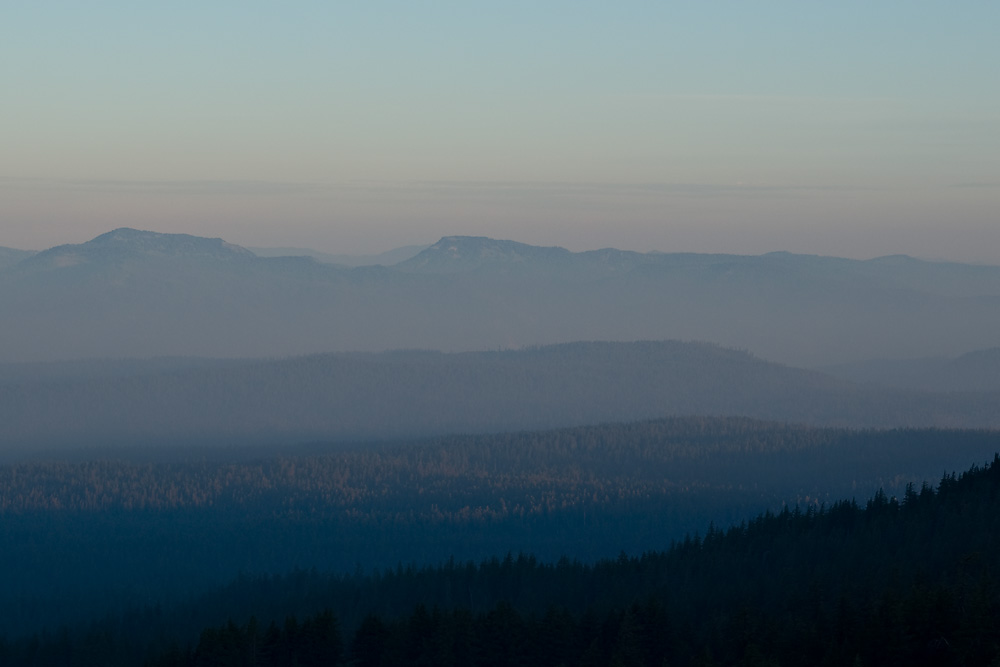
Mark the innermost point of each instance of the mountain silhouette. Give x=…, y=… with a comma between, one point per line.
x=131, y=293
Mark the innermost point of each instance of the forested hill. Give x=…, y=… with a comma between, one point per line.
x=908, y=580
x=406, y=394
x=160, y=531
x=896, y=582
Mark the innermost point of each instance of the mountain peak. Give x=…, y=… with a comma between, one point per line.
x=155, y=243
x=464, y=253
x=124, y=235
x=126, y=243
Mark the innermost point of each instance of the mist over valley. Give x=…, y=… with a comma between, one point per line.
x=224, y=435
x=550, y=334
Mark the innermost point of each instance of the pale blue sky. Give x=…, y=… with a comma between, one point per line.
x=849, y=128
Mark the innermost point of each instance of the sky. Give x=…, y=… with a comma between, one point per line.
x=856, y=129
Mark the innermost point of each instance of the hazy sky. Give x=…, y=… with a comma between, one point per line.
x=847, y=128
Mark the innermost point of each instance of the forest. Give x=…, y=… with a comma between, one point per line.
x=509, y=334
x=907, y=580
x=132, y=537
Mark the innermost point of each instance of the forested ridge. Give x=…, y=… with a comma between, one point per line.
x=503, y=474
x=83, y=538
x=907, y=580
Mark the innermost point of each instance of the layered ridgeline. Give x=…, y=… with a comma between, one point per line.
x=130, y=293
x=406, y=394
x=11, y=256
x=387, y=258
x=908, y=577
x=973, y=371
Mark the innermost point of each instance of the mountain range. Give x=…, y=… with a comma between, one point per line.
x=131, y=293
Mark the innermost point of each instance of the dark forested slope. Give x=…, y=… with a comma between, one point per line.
x=907, y=580
x=78, y=539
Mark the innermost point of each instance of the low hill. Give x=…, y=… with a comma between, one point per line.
x=411, y=393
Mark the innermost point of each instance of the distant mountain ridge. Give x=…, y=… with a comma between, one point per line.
x=417, y=393
x=453, y=254
x=125, y=243
x=11, y=256
x=974, y=371
x=131, y=293
x=387, y=258
x=456, y=254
